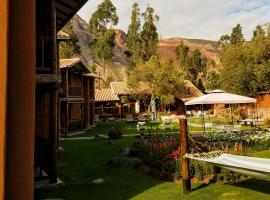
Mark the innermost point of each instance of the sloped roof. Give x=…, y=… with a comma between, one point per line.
x=62, y=36
x=92, y=75
x=105, y=95
x=65, y=10
x=74, y=62
x=120, y=88
x=190, y=92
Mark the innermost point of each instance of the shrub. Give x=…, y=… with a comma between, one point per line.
x=115, y=133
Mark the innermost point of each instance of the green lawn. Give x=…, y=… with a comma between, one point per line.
x=84, y=160
x=103, y=127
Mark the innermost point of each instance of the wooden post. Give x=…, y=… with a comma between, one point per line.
x=184, y=150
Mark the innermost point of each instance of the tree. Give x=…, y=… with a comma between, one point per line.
x=224, y=40
x=149, y=35
x=100, y=27
x=103, y=18
x=71, y=47
x=212, y=80
x=245, y=68
x=133, y=36
x=181, y=52
x=103, y=46
x=161, y=76
x=259, y=33
x=237, y=37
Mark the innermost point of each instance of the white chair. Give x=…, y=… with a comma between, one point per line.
x=167, y=124
x=141, y=126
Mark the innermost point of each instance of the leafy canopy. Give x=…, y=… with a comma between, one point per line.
x=133, y=37
x=103, y=18
x=149, y=34
x=245, y=66
x=161, y=76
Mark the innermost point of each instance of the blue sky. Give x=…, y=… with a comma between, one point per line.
x=200, y=19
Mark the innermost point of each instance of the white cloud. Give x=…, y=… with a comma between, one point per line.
x=208, y=19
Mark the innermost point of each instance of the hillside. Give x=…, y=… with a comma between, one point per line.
x=117, y=70
x=208, y=48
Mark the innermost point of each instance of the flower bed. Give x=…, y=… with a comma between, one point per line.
x=162, y=153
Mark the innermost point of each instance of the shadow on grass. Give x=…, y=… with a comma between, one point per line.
x=203, y=185
x=84, y=161
x=255, y=184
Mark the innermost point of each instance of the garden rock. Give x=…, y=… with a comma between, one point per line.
x=110, y=142
x=98, y=181
x=60, y=149
x=125, y=160
x=99, y=137
x=125, y=151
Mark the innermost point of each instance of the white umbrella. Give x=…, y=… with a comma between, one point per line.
x=220, y=97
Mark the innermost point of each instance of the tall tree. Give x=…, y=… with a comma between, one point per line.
x=100, y=27
x=237, y=37
x=149, y=35
x=245, y=68
x=258, y=33
x=161, y=76
x=133, y=36
x=103, y=18
x=181, y=53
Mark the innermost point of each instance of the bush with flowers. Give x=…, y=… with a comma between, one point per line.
x=163, y=153
x=159, y=151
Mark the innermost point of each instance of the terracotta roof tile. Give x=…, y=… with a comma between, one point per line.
x=105, y=95
x=190, y=92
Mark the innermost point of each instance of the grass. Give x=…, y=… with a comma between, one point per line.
x=128, y=129
x=84, y=160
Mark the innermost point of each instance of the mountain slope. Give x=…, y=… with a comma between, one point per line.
x=117, y=70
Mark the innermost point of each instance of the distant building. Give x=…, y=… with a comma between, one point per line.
x=120, y=100
x=77, y=100
x=263, y=104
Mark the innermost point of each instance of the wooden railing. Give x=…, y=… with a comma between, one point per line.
x=74, y=91
x=75, y=125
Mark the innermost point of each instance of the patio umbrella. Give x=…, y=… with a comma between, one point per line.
x=220, y=97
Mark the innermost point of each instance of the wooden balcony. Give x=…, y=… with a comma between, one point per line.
x=74, y=91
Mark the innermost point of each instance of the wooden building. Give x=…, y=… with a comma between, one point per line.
x=106, y=104
x=263, y=104
x=119, y=100
x=189, y=92
x=77, y=97
x=29, y=87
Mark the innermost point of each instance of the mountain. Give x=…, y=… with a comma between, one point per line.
x=208, y=48
x=117, y=70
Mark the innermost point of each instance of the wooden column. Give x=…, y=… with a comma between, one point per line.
x=3, y=87
x=20, y=134
x=67, y=106
x=86, y=94
x=184, y=150
x=54, y=102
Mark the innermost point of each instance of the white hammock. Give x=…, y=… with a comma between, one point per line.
x=254, y=167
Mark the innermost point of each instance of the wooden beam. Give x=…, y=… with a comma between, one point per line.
x=184, y=149
x=47, y=78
